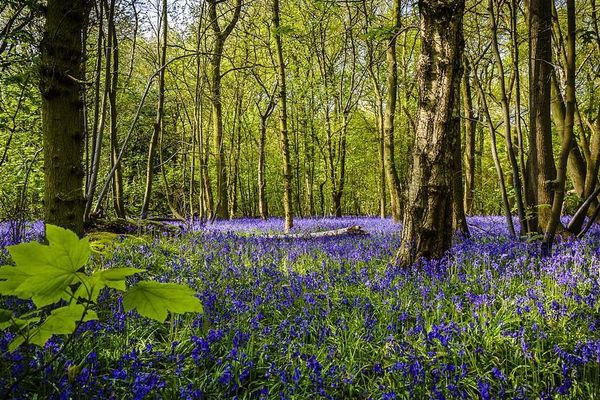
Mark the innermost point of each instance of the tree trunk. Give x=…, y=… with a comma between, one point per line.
x=516, y=176
x=427, y=231
x=393, y=182
x=540, y=163
x=285, y=146
x=497, y=164
x=262, y=198
x=158, y=124
x=112, y=98
x=567, y=137
x=62, y=116
x=470, y=129
x=220, y=36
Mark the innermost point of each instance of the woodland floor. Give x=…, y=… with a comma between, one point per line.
x=334, y=318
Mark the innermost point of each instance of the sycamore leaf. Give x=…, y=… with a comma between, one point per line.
x=16, y=342
x=50, y=269
x=5, y=315
x=89, y=288
x=115, y=277
x=92, y=285
x=19, y=323
x=154, y=299
x=61, y=321
x=13, y=278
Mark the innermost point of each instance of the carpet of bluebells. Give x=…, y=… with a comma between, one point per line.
x=334, y=318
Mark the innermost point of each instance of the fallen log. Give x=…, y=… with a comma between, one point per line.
x=136, y=226
x=351, y=230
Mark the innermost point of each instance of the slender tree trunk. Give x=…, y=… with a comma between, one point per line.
x=516, y=176
x=541, y=168
x=99, y=9
x=262, y=198
x=393, y=182
x=470, y=130
x=285, y=147
x=459, y=219
x=62, y=123
x=158, y=124
x=427, y=231
x=220, y=36
x=112, y=98
x=497, y=164
x=567, y=137
x=514, y=9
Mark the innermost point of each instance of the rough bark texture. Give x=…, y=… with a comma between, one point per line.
x=62, y=113
x=541, y=168
x=283, y=129
x=428, y=218
x=391, y=173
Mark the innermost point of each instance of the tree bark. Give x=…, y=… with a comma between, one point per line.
x=62, y=116
x=567, y=137
x=427, y=231
x=541, y=168
x=470, y=130
x=112, y=98
x=158, y=123
x=514, y=164
x=391, y=173
x=283, y=129
x=220, y=36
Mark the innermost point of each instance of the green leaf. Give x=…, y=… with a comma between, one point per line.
x=13, y=278
x=16, y=342
x=61, y=321
x=154, y=299
x=48, y=270
x=92, y=285
x=5, y=315
x=115, y=277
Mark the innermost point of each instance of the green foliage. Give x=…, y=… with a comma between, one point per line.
x=64, y=294
x=154, y=299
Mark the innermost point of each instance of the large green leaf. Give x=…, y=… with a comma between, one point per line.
x=61, y=321
x=12, y=277
x=46, y=271
x=5, y=315
x=115, y=277
x=154, y=300
x=91, y=285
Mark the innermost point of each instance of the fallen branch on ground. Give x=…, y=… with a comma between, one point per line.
x=351, y=230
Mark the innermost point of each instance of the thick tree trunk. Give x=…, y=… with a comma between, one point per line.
x=391, y=173
x=283, y=129
x=540, y=163
x=62, y=116
x=427, y=231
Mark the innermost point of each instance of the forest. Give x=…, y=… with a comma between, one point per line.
x=269, y=199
